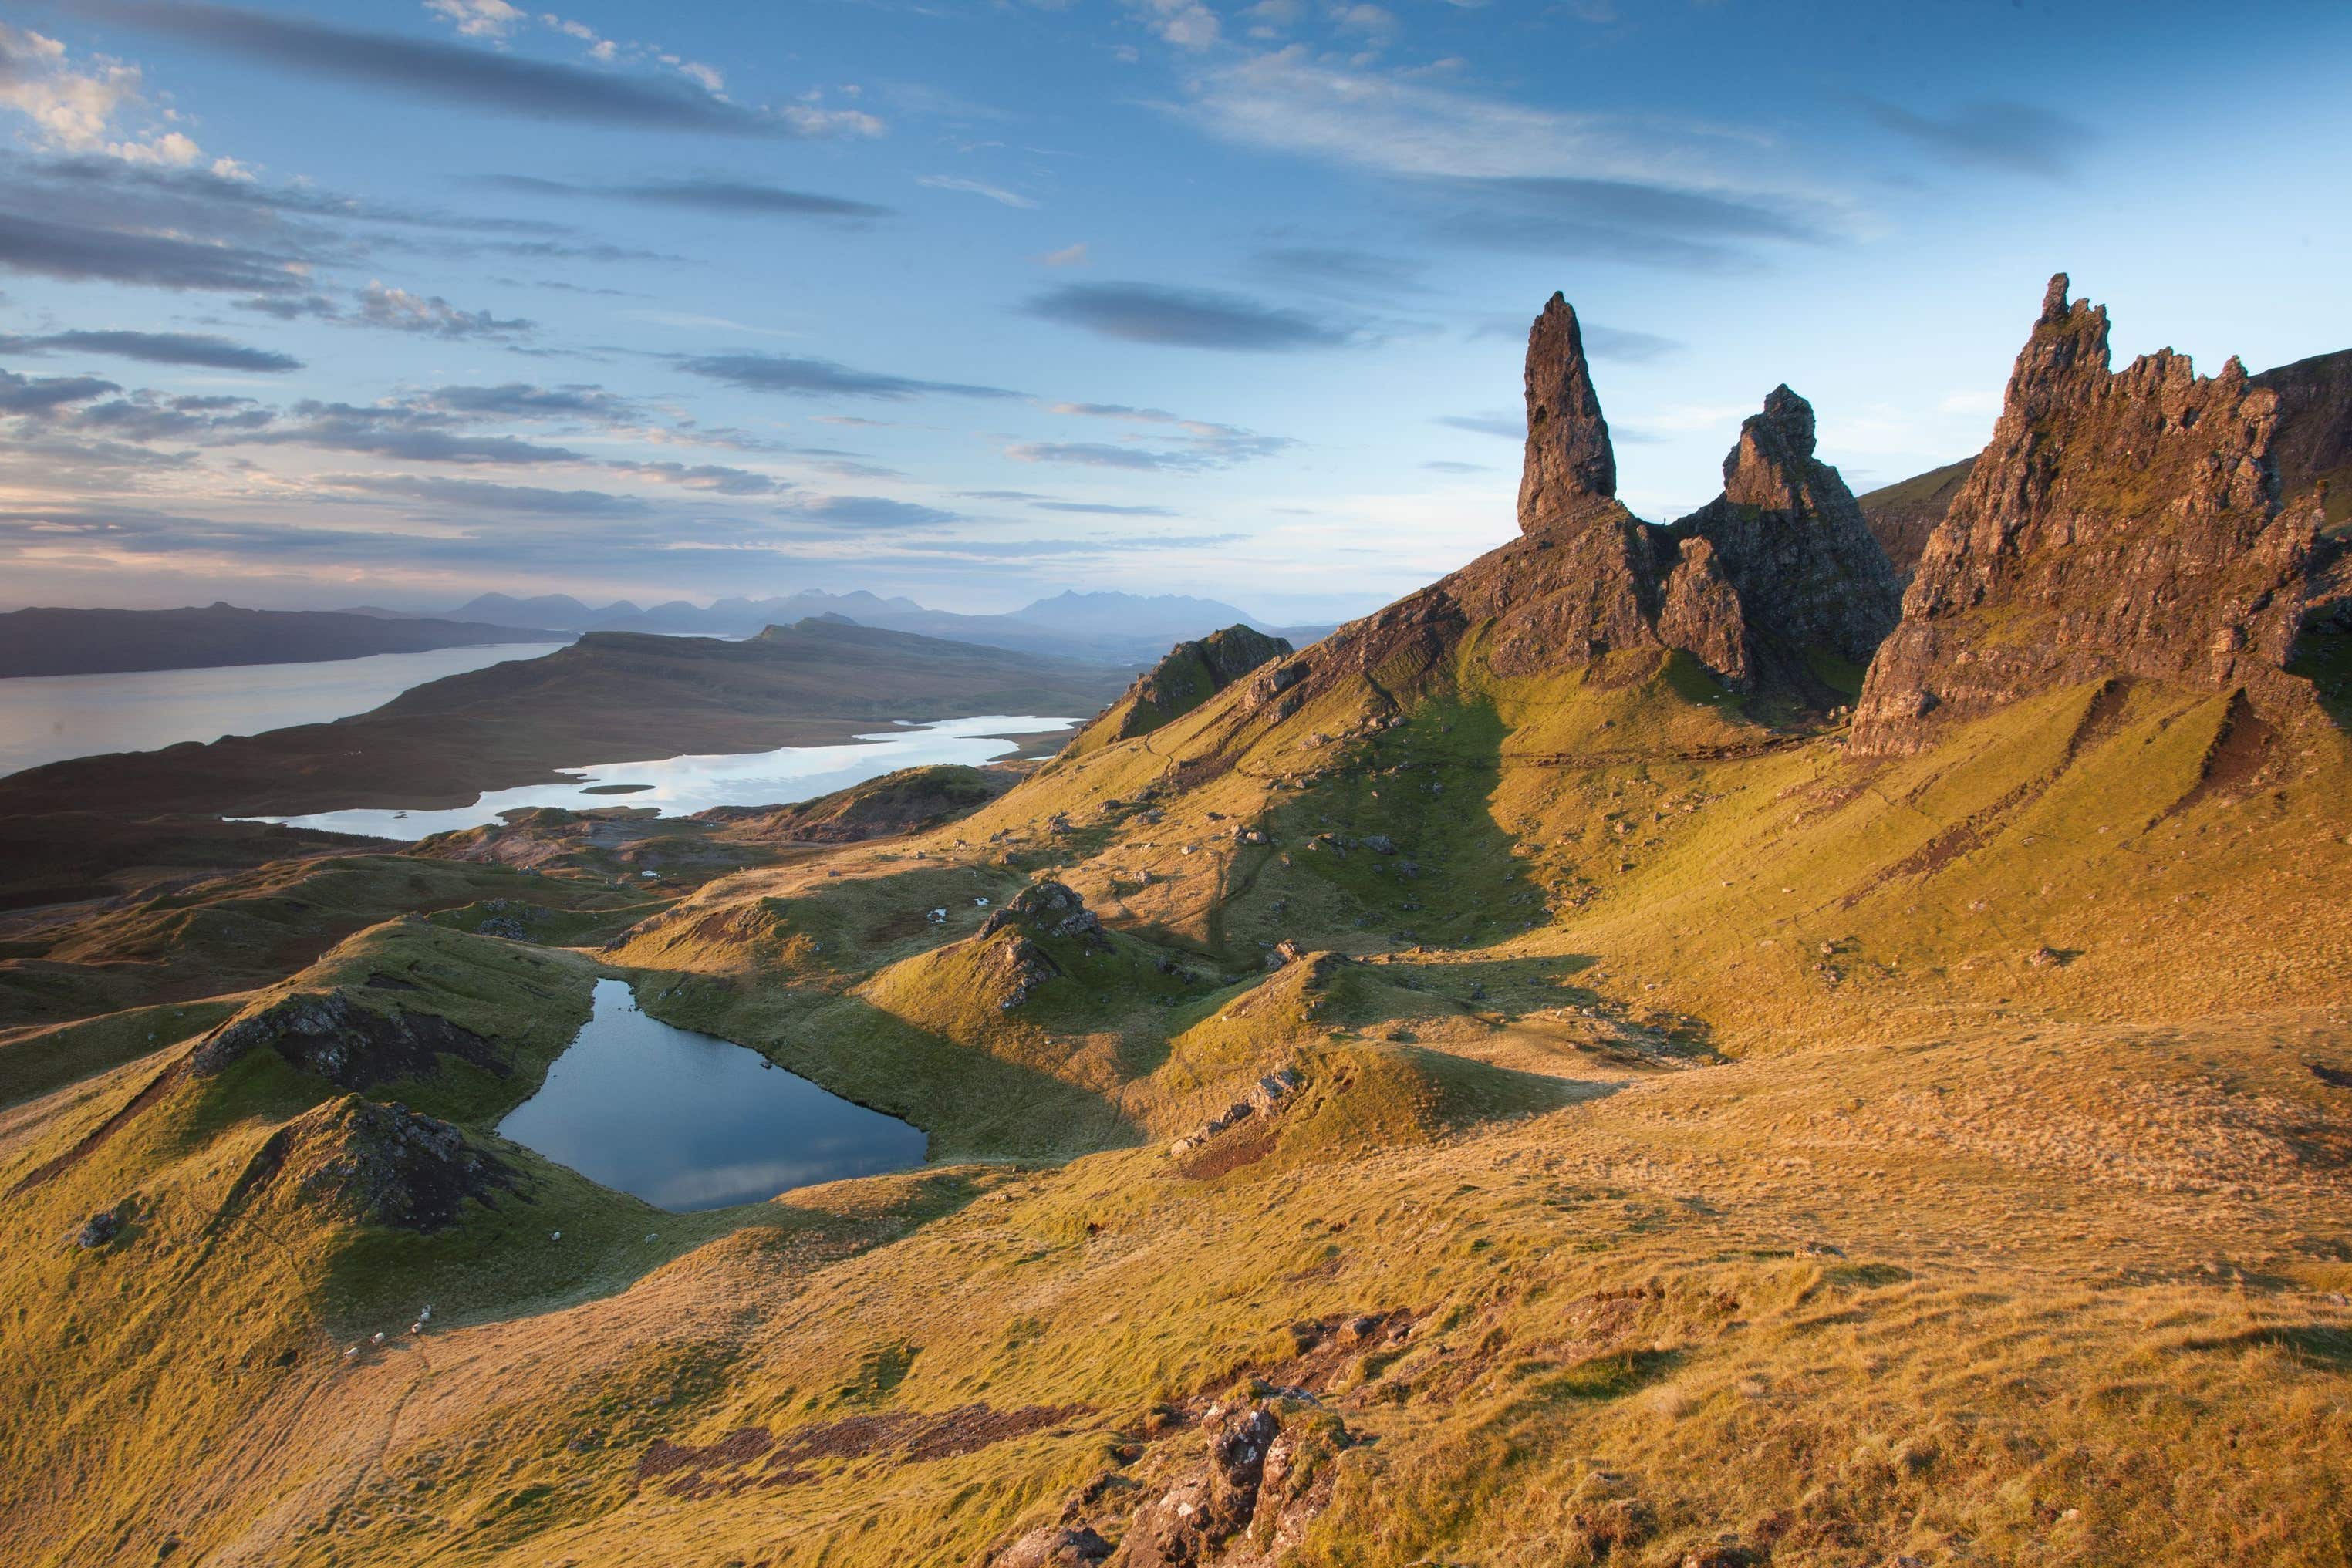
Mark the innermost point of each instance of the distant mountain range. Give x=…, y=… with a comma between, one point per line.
x=1112, y=628
x=44, y=642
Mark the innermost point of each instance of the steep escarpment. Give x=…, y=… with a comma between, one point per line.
x=2312, y=448
x=2118, y=523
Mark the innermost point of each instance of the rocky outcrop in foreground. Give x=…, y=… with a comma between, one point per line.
x=349, y=1045
x=372, y=1165
x=2118, y=523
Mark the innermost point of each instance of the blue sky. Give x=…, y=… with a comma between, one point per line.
x=394, y=303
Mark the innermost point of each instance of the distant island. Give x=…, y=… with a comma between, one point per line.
x=611, y=696
x=48, y=642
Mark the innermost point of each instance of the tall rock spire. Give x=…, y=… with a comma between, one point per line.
x=1569, y=463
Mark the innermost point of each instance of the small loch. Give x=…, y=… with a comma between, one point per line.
x=685, y=1121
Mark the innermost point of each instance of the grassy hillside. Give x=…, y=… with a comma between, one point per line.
x=1593, y=1117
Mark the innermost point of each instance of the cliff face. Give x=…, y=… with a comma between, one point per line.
x=2117, y=523
x=2313, y=446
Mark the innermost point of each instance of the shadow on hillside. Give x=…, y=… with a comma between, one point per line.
x=1401, y=825
x=2324, y=659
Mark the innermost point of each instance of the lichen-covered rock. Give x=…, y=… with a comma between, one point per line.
x=1053, y=1546
x=2118, y=523
x=1208, y=1505
x=1786, y=535
x=372, y=1163
x=1049, y=909
x=349, y=1045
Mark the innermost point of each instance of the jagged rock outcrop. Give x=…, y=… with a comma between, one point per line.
x=349, y=1045
x=1781, y=566
x=1048, y=909
x=1788, y=536
x=1187, y=676
x=1700, y=611
x=2118, y=523
x=372, y=1165
x=1570, y=465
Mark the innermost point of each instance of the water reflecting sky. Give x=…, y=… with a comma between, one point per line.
x=688, y=1121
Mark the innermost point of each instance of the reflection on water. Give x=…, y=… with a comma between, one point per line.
x=688, y=1121
x=681, y=786
x=47, y=718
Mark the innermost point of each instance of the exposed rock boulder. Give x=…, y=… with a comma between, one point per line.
x=1053, y=1546
x=1262, y=1098
x=1790, y=539
x=1701, y=612
x=350, y=1045
x=374, y=1164
x=2118, y=523
x=1048, y=909
x=1570, y=462
x=1208, y=1505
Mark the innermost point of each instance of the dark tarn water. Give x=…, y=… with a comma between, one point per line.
x=688, y=1121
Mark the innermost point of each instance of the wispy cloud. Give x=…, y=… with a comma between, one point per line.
x=707, y=194
x=402, y=311
x=822, y=378
x=997, y=193
x=158, y=348
x=1490, y=172
x=477, y=79
x=1187, y=318
x=1995, y=134
x=78, y=253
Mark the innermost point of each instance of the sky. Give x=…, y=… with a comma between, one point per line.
x=395, y=303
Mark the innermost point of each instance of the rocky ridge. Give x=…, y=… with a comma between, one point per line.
x=1187, y=675
x=1778, y=568
x=2118, y=523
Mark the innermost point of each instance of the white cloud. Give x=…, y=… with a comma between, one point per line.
x=1183, y=23
x=1068, y=255
x=1289, y=100
x=77, y=109
x=477, y=18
